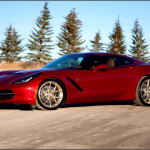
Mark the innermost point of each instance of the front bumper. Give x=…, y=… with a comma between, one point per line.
x=18, y=94
x=6, y=94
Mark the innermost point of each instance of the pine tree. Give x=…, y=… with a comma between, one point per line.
x=17, y=48
x=97, y=46
x=117, y=42
x=139, y=47
x=6, y=46
x=40, y=40
x=10, y=47
x=69, y=39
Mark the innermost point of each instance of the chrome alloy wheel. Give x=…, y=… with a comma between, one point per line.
x=50, y=94
x=145, y=91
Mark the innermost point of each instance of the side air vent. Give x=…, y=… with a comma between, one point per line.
x=74, y=83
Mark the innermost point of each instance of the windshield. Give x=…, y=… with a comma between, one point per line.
x=70, y=62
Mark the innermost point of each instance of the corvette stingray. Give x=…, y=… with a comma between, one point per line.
x=78, y=78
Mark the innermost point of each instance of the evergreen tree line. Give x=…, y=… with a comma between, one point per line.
x=69, y=40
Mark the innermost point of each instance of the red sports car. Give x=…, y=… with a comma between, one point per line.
x=78, y=78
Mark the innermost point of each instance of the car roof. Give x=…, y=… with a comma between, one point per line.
x=106, y=53
x=96, y=53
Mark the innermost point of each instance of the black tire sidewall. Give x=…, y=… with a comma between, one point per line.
x=138, y=91
x=64, y=94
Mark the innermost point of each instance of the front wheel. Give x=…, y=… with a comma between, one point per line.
x=143, y=92
x=51, y=94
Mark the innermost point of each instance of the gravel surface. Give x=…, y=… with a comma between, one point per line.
x=110, y=126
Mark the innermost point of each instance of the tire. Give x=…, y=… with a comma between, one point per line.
x=143, y=92
x=51, y=94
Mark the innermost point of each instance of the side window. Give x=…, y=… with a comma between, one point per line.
x=126, y=61
x=112, y=61
x=109, y=60
x=90, y=62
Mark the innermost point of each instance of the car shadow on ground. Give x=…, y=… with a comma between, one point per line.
x=26, y=107
x=15, y=106
x=100, y=104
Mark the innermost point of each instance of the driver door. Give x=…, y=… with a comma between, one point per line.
x=110, y=83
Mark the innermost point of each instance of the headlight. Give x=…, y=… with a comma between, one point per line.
x=27, y=78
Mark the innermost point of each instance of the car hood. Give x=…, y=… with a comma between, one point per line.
x=25, y=72
x=7, y=77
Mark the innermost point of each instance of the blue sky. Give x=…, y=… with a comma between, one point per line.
x=95, y=15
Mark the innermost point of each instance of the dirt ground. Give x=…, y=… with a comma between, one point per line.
x=102, y=126
x=20, y=66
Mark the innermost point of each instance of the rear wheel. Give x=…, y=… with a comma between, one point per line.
x=143, y=92
x=51, y=94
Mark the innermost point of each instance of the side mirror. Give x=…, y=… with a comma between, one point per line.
x=100, y=67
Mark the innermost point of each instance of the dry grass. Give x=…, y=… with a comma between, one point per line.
x=20, y=66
